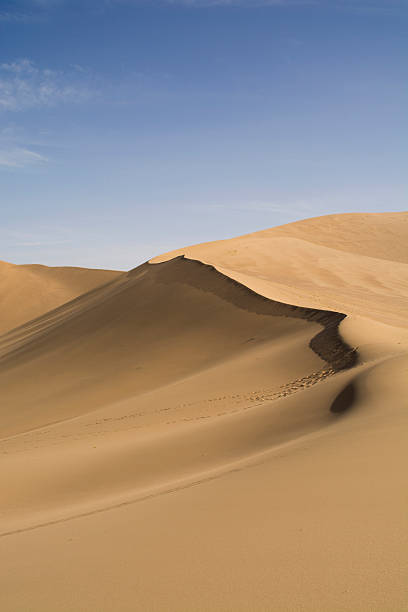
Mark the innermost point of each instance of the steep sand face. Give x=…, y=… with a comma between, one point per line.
x=178, y=324
x=175, y=441
x=28, y=291
x=353, y=263
x=151, y=327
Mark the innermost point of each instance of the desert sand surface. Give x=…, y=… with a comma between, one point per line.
x=28, y=291
x=222, y=428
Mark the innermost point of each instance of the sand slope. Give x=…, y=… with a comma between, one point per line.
x=174, y=440
x=352, y=263
x=28, y=291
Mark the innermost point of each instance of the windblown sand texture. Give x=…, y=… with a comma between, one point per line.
x=223, y=428
x=28, y=291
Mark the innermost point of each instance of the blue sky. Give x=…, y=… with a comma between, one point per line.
x=130, y=127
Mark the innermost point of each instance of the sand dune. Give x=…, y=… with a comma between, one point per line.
x=177, y=322
x=186, y=437
x=338, y=262
x=28, y=291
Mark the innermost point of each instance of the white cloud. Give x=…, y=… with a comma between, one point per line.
x=19, y=158
x=24, y=85
x=18, y=149
x=20, y=66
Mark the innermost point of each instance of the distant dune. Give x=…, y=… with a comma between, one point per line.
x=28, y=291
x=222, y=428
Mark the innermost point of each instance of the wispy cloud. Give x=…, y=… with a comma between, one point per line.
x=25, y=85
x=15, y=16
x=20, y=158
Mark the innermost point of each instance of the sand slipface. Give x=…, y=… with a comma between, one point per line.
x=222, y=428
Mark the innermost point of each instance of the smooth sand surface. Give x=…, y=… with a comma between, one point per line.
x=186, y=437
x=28, y=291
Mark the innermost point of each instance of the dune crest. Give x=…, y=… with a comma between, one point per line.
x=336, y=262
